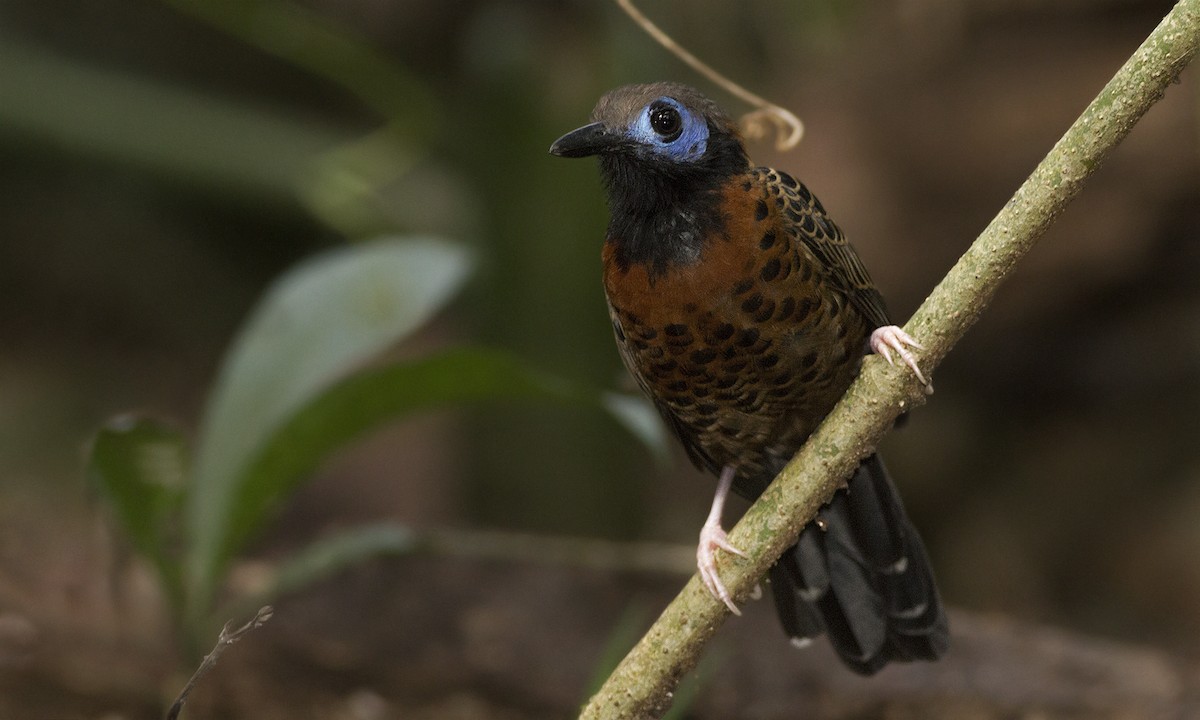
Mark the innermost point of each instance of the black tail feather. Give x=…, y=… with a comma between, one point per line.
x=800, y=620
x=860, y=574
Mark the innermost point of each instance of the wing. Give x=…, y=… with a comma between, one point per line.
x=825, y=239
x=686, y=434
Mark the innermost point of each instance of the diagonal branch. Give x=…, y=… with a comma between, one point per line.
x=642, y=685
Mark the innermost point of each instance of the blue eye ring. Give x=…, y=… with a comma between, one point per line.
x=669, y=128
x=666, y=121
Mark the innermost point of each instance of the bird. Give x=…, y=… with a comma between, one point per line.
x=743, y=314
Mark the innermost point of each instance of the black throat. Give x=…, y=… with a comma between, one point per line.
x=664, y=212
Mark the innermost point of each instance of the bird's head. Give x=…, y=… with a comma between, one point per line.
x=655, y=132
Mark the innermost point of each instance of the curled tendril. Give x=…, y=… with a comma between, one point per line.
x=754, y=124
x=788, y=128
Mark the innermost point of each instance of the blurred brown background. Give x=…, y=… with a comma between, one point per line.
x=160, y=162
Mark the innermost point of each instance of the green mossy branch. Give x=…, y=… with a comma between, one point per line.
x=642, y=685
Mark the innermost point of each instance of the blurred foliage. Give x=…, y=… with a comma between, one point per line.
x=319, y=44
x=137, y=121
x=331, y=314
x=139, y=465
x=287, y=397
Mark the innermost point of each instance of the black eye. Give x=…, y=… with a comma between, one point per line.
x=665, y=121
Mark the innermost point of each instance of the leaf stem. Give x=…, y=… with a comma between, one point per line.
x=227, y=637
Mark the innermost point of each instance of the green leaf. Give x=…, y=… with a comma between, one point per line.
x=331, y=314
x=365, y=401
x=138, y=466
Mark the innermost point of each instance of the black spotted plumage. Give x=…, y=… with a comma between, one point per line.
x=743, y=313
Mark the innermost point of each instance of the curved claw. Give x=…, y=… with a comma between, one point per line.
x=888, y=338
x=712, y=537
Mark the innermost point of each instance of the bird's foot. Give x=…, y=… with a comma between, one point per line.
x=888, y=338
x=712, y=537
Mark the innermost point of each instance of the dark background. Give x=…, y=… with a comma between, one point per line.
x=161, y=162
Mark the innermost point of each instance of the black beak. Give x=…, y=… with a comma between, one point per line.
x=587, y=140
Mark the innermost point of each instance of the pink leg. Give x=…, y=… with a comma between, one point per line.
x=890, y=337
x=712, y=536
